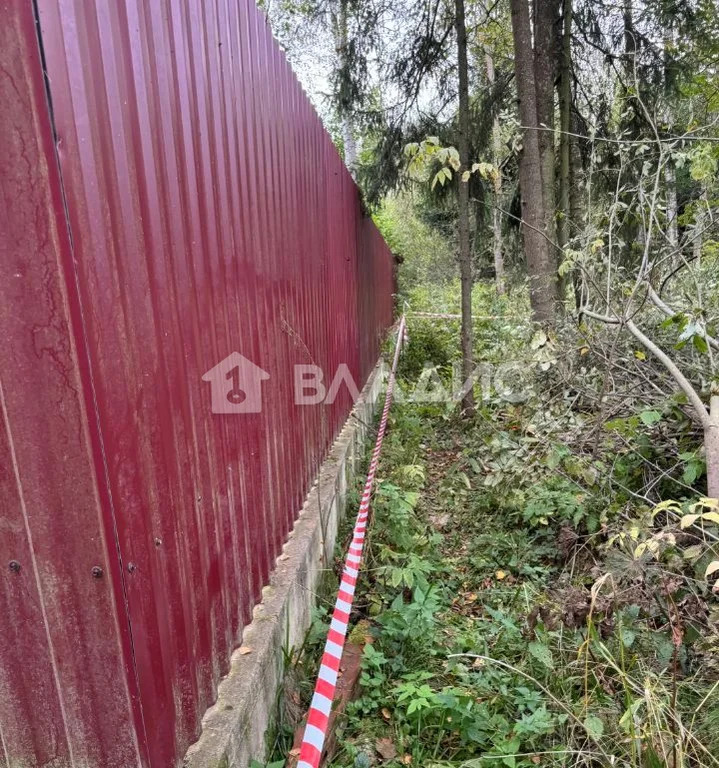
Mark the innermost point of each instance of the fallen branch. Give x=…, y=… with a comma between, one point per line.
x=707, y=417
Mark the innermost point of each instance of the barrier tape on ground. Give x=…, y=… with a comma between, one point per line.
x=318, y=718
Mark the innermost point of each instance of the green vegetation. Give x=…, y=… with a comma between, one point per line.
x=539, y=581
x=425, y=253
x=541, y=577
x=525, y=610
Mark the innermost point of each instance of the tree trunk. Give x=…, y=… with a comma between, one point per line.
x=496, y=161
x=699, y=224
x=564, y=222
x=350, y=144
x=565, y=109
x=670, y=181
x=576, y=200
x=541, y=267
x=341, y=35
x=465, y=258
x=546, y=15
x=630, y=44
x=670, y=175
x=711, y=449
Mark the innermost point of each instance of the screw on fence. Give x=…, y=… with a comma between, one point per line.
x=158, y=541
x=131, y=567
x=97, y=572
x=14, y=566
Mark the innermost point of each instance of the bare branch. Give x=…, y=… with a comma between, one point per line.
x=684, y=384
x=669, y=312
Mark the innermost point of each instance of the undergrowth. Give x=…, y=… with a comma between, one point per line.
x=493, y=643
x=538, y=579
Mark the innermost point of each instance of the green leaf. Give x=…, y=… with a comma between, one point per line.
x=692, y=471
x=700, y=344
x=667, y=504
x=694, y=552
x=590, y=476
x=565, y=267
x=538, y=340
x=442, y=176
x=626, y=721
x=594, y=727
x=411, y=497
x=542, y=653
x=650, y=417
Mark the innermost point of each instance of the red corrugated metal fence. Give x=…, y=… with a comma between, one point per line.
x=169, y=197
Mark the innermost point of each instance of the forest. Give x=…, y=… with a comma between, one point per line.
x=542, y=579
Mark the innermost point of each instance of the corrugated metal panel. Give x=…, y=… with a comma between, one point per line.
x=66, y=675
x=205, y=211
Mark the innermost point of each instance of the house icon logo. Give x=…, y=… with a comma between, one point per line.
x=236, y=384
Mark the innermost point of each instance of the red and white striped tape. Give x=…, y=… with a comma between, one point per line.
x=317, y=721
